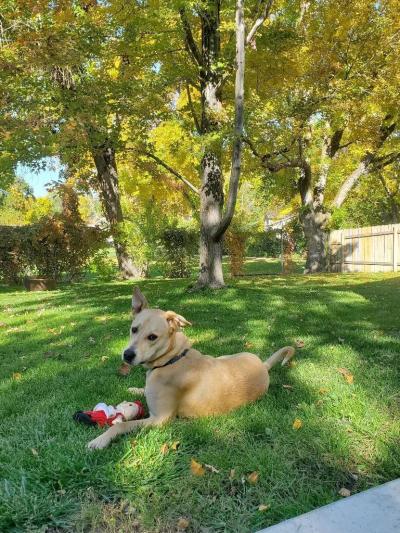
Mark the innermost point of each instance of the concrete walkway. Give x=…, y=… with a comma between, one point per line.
x=375, y=510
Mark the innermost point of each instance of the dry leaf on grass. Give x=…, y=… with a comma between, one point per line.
x=196, y=468
x=232, y=474
x=164, y=448
x=288, y=387
x=322, y=390
x=211, y=468
x=253, y=478
x=248, y=344
x=183, y=523
x=175, y=445
x=17, y=376
x=262, y=508
x=347, y=375
x=34, y=452
x=104, y=358
x=297, y=424
x=92, y=340
x=133, y=443
x=299, y=343
x=344, y=492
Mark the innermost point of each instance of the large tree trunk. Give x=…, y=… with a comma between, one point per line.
x=107, y=177
x=316, y=240
x=211, y=194
x=211, y=201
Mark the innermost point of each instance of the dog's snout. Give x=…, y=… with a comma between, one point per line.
x=129, y=355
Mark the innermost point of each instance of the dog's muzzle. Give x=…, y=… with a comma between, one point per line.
x=129, y=355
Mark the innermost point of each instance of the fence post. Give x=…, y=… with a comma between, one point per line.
x=341, y=251
x=395, y=248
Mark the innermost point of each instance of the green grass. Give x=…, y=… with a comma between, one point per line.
x=66, y=345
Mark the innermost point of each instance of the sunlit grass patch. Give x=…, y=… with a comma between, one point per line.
x=60, y=352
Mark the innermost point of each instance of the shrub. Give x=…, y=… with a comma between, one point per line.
x=236, y=243
x=178, y=247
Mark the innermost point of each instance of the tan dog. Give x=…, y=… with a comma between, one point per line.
x=181, y=381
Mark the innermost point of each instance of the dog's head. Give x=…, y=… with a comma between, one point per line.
x=152, y=331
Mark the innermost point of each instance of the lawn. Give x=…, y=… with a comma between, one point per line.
x=60, y=352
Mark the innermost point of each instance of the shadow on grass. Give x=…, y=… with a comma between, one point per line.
x=348, y=436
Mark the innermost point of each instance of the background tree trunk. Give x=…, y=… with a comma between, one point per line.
x=316, y=237
x=107, y=177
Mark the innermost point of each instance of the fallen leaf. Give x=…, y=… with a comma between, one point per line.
x=133, y=443
x=104, y=358
x=248, y=345
x=62, y=492
x=211, y=468
x=288, y=387
x=340, y=340
x=92, y=340
x=196, y=468
x=164, y=448
x=175, y=445
x=297, y=424
x=34, y=452
x=262, y=508
x=347, y=375
x=253, y=478
x=17, y=376
x=344, y=492
x=291, y=363
x=232, y=474
x=299, y=343
x=322, y=390
x=183, y=523
x=319, y=402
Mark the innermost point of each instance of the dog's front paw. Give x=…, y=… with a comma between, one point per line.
x=99, y=443
x=136, y=390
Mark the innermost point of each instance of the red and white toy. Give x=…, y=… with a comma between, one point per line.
x=108, y=415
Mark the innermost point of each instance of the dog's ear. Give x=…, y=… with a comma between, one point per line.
x=176, y=321
x=139, y=302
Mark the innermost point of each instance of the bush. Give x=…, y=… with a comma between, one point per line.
x=264, y=244
x=48, y=249
x=178, y=247
x=236, y=243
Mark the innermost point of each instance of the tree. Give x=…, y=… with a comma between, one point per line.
x=206, y=86
x=332, y=122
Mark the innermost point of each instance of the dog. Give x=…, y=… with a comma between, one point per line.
x=181, y=381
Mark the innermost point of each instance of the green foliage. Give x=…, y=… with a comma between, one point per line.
x=178, y=247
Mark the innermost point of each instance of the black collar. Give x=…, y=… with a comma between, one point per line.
x=173, y=360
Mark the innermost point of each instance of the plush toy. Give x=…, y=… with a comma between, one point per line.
x=109, y=415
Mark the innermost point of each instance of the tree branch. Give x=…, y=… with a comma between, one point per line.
x=239, y=123
x=363, y=166
x=190, y=43
x=192, y=110
x=265, y=8
x=172, y=171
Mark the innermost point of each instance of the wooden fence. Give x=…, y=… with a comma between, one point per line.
x=371, y=249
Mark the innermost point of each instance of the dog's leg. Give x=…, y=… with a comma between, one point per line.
x=125, y=427
x=136, y=390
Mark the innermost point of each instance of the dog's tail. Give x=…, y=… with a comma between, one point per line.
x=284, y=355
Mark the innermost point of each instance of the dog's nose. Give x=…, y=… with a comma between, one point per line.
x=129, y=355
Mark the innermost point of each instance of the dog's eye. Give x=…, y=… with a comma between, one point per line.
x=152, y=337
x=134, y=330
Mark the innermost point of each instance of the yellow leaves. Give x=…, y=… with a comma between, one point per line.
x=253, y=478
x=166, y=447
x=297, y=424
x=113, y=72
x=299, y=343
x=322, y=390
x=347, y=375
x=16, y=376
x=344, y=492
x=196, y=468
